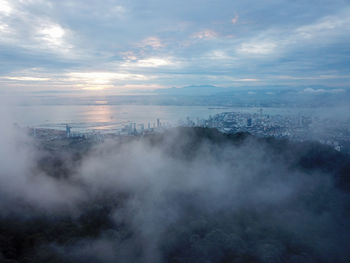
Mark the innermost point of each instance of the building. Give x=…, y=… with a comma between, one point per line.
x=68, y=132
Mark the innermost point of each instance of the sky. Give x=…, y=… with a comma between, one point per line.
x=119, y=45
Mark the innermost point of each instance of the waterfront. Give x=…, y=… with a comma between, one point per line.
x=105, y=117
x=113, y=117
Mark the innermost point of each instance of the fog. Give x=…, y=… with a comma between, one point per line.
x=246, y=194
x=22, y=185
x=179, y=197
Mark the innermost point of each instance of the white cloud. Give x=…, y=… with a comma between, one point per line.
x=205, y=34
x=4, y=28
x=247, y=80
x=129, y=55
x=52, y=34
x=318, y=91
x=258, y=48
x=23, y=29
x=219, y=55
x=235, y=19
x=153, y=42
x=53, y=38
x=282, y=40
x=101, y=80
x=330, y=24
x=152, y=62
x=103, y=77
x=117, y=10
x=19, y=78
x=5, y=8
x=319, y=77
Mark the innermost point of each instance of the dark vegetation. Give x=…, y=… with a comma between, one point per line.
x=312, y=227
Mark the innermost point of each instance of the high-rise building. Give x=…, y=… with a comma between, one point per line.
x=260, y=113
x=249, y=122
x=142, y=127
x=68, y=133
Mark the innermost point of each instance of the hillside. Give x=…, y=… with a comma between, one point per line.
x=186, y=195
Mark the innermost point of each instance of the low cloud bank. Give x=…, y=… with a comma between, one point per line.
x=189, y=195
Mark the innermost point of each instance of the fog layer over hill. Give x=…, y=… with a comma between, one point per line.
x=188, y=195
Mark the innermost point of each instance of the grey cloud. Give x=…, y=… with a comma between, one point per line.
x=98, y=35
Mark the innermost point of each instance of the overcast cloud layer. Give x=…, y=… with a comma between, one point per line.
x=127, y=45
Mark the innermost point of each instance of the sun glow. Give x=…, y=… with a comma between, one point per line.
x=102, y=80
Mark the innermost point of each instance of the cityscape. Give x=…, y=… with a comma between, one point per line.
x=188, y=131
x=297, y=127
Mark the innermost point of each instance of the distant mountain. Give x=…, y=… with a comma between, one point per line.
x=307, y=96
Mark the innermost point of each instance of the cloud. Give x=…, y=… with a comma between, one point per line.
x=151, y=62
x=235, y=19
x=21, y=183
x=4, y=28
x=25, y=78
x=205, y=34
x=319, y=91
x=153, y=42
x=129, y=55
x=37, y=34
x=5, y=8
x=101, y=80
x=103, y=77
x=63, y=36
x=326, y=26
x=257, y=48
x=52, y=34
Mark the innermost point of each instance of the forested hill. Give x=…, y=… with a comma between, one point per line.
x=186, y=195
x=309, y=156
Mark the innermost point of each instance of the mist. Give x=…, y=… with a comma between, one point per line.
x=188, y=195
x=218, y=202
x=22, y=184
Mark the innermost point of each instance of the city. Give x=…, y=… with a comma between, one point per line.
x=297, y=127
